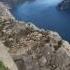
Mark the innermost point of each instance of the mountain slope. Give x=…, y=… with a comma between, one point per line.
x=30, y=47
x=65, y=5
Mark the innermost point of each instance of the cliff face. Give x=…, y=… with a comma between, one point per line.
x=6, y=58
x=4, y=11
x=33, y=48
x=65, y=5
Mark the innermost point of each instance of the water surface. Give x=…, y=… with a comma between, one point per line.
x=44, y=14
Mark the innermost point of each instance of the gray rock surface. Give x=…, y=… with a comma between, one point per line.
x=6, y=58
x=33, y=48
x=4, y=11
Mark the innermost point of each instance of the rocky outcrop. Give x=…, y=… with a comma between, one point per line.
x=33, y=48
x=6, y=58
x=4, y=11
x=65, y=5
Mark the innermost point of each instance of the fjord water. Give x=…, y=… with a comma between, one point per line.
x=44, y=14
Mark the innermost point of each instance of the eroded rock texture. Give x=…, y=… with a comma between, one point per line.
x=34, y=49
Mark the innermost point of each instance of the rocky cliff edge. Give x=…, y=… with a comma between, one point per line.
x=32, y=48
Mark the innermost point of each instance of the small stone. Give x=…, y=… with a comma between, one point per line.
x=42, y=61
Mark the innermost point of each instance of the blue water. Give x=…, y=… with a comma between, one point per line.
x=44, y=14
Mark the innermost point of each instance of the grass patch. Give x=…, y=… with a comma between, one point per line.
x=2, y=67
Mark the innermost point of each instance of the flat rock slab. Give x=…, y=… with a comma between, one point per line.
x=6, y=58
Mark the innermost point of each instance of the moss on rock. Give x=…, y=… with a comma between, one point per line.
x=2, y=67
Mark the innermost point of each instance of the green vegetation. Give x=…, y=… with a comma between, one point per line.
x=2, y=67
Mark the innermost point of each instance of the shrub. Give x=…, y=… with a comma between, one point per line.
x=2, y=67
